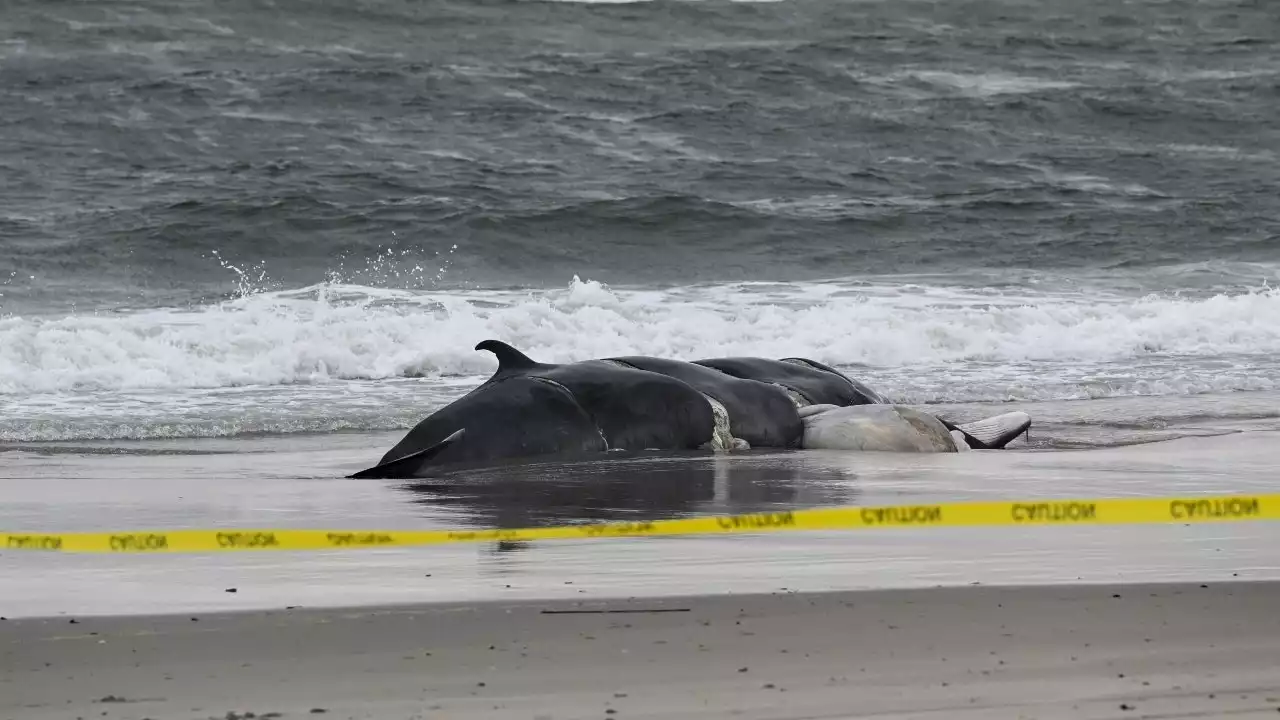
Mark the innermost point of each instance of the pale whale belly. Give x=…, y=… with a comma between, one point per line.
x=888, y=428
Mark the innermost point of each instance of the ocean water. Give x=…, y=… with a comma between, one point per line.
x=245, y=219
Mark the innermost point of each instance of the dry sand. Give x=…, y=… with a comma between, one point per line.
x=1171, y=650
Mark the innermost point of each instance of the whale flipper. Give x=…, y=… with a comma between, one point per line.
x=505, y=419
x=409, y=465
x=994, y=432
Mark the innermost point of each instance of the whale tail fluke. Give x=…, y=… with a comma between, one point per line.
x=509, y=358
x=994, y=432
x=409, y=465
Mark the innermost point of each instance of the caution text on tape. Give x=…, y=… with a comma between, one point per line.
x=1193, y=509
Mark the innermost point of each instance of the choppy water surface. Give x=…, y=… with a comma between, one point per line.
x=223, y=221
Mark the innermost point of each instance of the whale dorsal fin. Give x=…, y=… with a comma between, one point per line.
x=509, y=358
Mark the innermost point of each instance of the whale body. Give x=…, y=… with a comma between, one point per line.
x=528, y=410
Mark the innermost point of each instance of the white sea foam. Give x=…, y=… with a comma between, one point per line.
x=335, y=332
x=989, y=84
x=347, y=357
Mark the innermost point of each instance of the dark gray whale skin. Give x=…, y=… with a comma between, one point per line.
x=815, y=382
x=759, y=413
x=510, y=418
x=529, y=409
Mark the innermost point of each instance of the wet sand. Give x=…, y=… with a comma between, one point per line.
x=1169, y=650
x=298, y=483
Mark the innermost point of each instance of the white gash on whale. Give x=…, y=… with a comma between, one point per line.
x=529, y=410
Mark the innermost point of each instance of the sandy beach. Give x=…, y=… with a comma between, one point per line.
x=1159, y=650
x=1045, y=622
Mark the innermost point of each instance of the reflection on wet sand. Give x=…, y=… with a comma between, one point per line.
x=640, y=486
x=295, y=487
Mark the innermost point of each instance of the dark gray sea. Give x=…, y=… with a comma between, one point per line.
x=250, y=217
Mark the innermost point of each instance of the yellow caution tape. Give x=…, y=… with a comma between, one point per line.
x=1195, y=509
